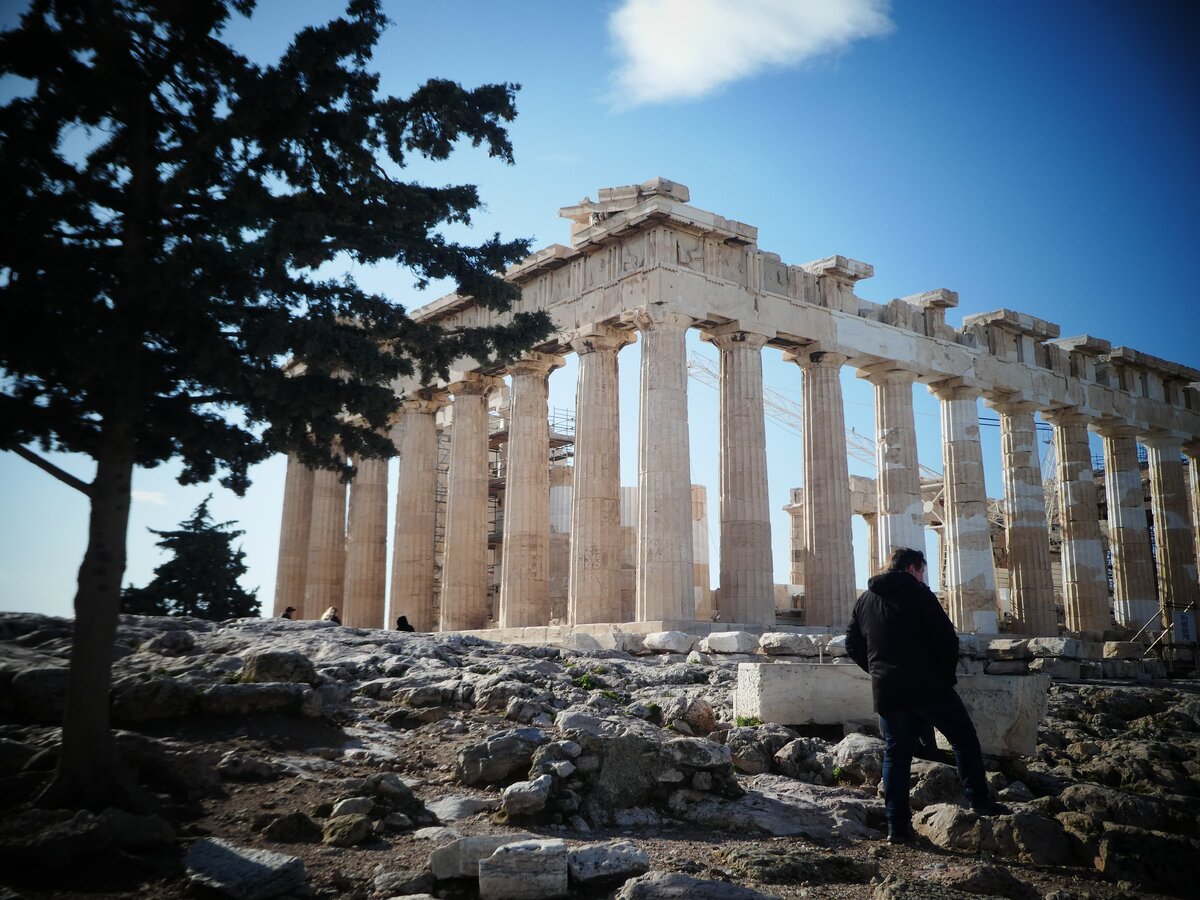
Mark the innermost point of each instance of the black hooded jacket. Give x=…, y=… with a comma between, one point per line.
x=900, y=634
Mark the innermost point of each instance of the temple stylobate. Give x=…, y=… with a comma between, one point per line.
x=481, y=541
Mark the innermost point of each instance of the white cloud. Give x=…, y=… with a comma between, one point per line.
x=684, y=49
x=157, y=498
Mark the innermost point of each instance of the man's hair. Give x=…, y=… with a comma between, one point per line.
x=903, y=557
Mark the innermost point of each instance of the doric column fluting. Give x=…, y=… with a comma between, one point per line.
x=366, y=546
x=465, y=561
x=525, y=554
x=1134, y=601
x=1084, y=567
x=829, y=544
x=969, y=592
x=594, y=580
x=901, y=516
x=1031, y=586
x=293, y=537
x=326, y=570
x=1172, y=530
x=747, y=571
x=665, y=577
x=795, y=511
x=416, y=512
x=1191, y=450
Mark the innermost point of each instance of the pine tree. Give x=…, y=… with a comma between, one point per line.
x=201, y=579
x=172, y=216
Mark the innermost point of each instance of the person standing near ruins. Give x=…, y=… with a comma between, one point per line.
x=901, y=636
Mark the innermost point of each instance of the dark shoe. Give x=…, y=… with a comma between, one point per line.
x=991, y=808
x=901, y=834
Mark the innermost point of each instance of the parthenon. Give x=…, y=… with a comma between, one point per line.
x=643, y=264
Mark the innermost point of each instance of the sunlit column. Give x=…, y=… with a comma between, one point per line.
x=293, y=537
x=326, y=568
x=525, y=554
x=1134, y=601
x=1173, y=541
x=901, y=514
x=1084, y=567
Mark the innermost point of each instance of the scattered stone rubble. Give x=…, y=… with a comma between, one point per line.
x=531, y=772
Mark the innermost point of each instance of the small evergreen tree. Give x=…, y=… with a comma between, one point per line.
x=202, y=578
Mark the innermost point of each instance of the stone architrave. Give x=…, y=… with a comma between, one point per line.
x=525, y=554
x=1191, y=450
x=465, y=560
x=970, y=574
x=829, y=543
x=366, y=546
x=1031, y=586
x=293, y=537
x=416, y=511
x=594, y=579
x=1176, y=552
x=326, y=569
x=901, y=516
x=747, y=570
x=1084, y=567
x=1134, y=602
x=665, y=577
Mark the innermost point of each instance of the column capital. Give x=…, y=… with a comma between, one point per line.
x=1011, y=404
x=474, y=384
x=657, y=317
x=817, y=359
x=1116, y=429
x=592, y=338
x=733, y=338
x=535, y=364
x=429, y=400
x=887, y=372
x=956, y=389
x=1191, y=449
x=1167, y=441
x=1066, y=415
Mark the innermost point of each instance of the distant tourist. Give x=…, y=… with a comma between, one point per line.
x=331, y=615
x=900, y=634
x=402, y=624
x=287, y=613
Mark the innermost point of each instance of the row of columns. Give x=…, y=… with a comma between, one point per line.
x=313, y=551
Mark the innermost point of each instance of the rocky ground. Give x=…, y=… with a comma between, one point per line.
x=312, y=760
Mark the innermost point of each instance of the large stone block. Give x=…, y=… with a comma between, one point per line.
x=669, y=642
x=460, y=858
x=1006, y=709
x=526, y=870
x=729, y=642
x=1067, y=648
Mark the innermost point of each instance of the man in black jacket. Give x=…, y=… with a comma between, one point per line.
x=900, y=634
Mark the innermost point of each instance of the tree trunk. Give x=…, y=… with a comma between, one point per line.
x=89, y=774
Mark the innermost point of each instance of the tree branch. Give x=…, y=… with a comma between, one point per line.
x=65, y=477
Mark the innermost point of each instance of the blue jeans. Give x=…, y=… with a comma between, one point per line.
x=900, y=729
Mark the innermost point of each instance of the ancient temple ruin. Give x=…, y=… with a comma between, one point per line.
x=643, y=264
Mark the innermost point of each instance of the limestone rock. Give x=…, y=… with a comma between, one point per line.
x=292, y=828
x=1008, y=649
x=143, y=700
x=988, y=880
x=753, y=748
x=836, y=647
x=452, y=809
x=729, y=642
x=893, y=888
x=674, y=886
x=278, y=665
x=951, y=827
x=1033, y=838
x=669, y=642
x=933, y=783
x=611, y=861
x=784, y=643
x=778, y=865
x=859, y=758
x=347, y=830
x=405, y=883
x=1124, y=808
x=696, y=753
x=524, y=798
x=525, y=870
x=1163, y=862
x=501, y=754
x=242, y=873
x=1067, y=648
x=696, y=712
x=353, y=806
x=256, y=699
x=460, y=858
x=170, y=643
x=39, y=694
x=235, y=766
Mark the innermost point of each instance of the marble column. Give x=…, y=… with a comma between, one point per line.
x=326, y=569
x=1172, y=531
x=795, y=511
x=1134, y=600
x=1084, y=567
x=594, y=580
x=525, y=553
x=874, y=566
x=465, y=562
x=664, y=537
x=747, y=571
x=828, y=539
x=1031, y=586
x=1191, y=450
x=366, y=546
x=969, y=591
x=293, y=537
x=416, y=504
x=901, y=511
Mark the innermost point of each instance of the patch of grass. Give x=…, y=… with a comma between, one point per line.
x=748, y=721
x=587, y=682
x=611, y=695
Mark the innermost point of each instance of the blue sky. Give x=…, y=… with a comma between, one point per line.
x=1040, y=156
